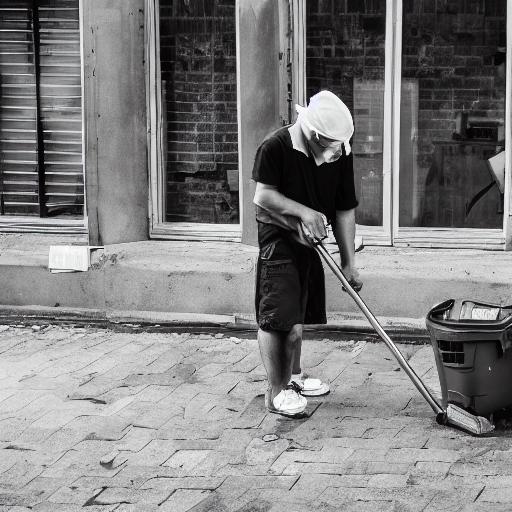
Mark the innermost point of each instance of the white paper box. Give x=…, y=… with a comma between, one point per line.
x=70, y=258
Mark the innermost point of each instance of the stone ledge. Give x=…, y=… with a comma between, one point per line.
x=217, y=278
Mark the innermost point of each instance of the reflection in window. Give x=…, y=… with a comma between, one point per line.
x=452, y=114
x=345, y=54
x=198, y=69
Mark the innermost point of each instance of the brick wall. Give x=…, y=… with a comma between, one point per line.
x=198, y=64
x=448, y=48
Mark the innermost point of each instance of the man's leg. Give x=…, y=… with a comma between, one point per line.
x=310, y=386
x=277, y=353
x=297, y=351
x=271, y=345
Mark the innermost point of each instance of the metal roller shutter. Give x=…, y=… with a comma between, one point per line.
x=41, y=162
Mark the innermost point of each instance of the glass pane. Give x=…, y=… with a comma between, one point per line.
x=345, y=54
x=198, y=66
x=452, y=114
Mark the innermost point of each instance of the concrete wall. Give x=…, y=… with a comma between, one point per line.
x=258, y=56
x=115, y=106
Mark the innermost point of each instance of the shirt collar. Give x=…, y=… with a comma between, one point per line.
x=298, y=140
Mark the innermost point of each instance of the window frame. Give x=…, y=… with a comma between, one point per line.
x=158, y=227
x=33, y=224
x=463, y=238
x=390, y=233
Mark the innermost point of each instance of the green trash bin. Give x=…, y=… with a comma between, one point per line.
x=472, y=344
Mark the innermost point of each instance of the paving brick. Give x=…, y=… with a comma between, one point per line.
x=99, y=427
x=498, y=481
x=20, y=474
x=436, y=468
x=311, y=461
x=82, y=460
x=253, y=415
x=376, y=468
x=471, y=468
x=135, y=439
x=412, y=497
x=131, y=475
x=259, y=482
x=187, y=460
x=48, y=506
x=34, y=435
x=42, y=487
x=170, y=483
x=496, y=495
x=73, y=495
x=18, y=499
x=260, y=452
x=182, y=500
x=415, y=454
x=388, y=480
x=153, y=393
x=453, y=501
x=136, y=507
x=332, y=367
x=267, y=500
x=194, y=430
x=479, y=506
x=19, y=400
x=355, y=443
x=370, y=455
x=117, y=495
x=176, y=428
x=8, y=459
x=250, y=362
x=156, y=452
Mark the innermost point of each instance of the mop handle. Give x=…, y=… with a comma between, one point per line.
x=376, y=325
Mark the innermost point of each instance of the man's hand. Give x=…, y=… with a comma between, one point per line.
x=353, y=278
x=314, y=223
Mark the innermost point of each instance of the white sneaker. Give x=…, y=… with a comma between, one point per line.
x=288, y=403
x=309, y=386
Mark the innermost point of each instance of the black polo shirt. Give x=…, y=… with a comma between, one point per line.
x=325, y=188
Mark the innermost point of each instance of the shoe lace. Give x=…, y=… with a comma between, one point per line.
x=294, y=387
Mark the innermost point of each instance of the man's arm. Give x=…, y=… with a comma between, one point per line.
x=268, y=198
x=344, y=232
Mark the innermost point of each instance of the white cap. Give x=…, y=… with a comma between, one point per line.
x=328, y=116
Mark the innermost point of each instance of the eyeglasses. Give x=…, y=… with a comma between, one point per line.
x=325, y=145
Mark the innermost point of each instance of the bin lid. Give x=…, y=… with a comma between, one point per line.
x=467, y=315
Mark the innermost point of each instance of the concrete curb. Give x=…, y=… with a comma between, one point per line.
x=338, y=323
x=218, y=278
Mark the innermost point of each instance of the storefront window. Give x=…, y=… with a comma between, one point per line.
x=199, y=105
x=345, y=47
x=41, y=164
x=452, y=114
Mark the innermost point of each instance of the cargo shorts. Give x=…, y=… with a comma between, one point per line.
x=290, y=287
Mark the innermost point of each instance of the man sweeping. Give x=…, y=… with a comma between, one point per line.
x=304, y=181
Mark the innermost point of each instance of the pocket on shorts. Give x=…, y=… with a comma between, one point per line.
x=276, y=268
x=279, y=292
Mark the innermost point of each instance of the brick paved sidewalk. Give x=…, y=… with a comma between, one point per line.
x=167, y=422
